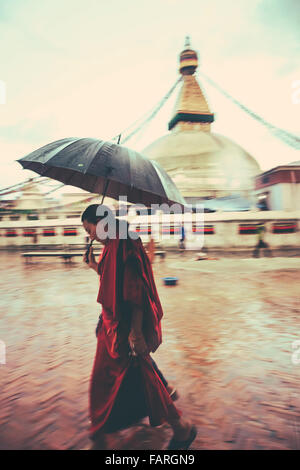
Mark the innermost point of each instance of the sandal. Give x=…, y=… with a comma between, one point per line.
x=174, y=444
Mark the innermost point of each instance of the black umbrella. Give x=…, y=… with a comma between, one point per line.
x=104, y=168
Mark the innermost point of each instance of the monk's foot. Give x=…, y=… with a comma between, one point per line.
x=99, y=444
x=96, y=446
x=182, y=439
x=183, y=433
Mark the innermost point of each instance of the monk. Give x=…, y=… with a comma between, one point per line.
x=126, y=385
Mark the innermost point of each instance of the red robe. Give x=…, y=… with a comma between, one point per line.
x=123, y=389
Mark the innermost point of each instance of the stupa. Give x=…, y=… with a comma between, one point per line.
x=202, y=164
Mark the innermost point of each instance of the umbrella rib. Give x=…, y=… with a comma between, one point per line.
x=100, y=147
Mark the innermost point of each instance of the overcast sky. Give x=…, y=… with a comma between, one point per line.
x=90, y=68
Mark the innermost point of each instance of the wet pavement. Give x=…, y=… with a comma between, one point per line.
x=228, y=330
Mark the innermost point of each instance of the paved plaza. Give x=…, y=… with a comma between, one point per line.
x=229, y=333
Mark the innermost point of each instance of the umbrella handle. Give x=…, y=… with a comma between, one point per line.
x=105, y=189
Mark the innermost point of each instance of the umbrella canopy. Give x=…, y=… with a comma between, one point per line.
x=106, y=168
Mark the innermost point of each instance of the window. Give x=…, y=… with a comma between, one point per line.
x=32, y=217
x=143, y=229
x=70, y=231
x=11, y=232
x=49, y=232
x=284, y=227
x=265, y=179
x=206, y=229
x=29, y=232
x=247, y=229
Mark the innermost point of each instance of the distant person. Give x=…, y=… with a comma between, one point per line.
x=126, y=384
x=182, y=238
x=261, y=244
x=263, y=205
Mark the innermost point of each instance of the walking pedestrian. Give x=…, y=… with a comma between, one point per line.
x=126, y=384
x=260, y=242
x=182, y=238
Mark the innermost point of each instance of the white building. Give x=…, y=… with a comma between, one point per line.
x=279, y=188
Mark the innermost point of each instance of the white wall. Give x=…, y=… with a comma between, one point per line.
x=283, y=196
x=226, y=228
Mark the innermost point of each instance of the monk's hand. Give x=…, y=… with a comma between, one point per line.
x=137, y=343
x=91, y=258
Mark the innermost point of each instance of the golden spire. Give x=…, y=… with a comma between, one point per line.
x=188, y=59
x=191, y=110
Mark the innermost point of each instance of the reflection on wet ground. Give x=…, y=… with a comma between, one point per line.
x=228, y=328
